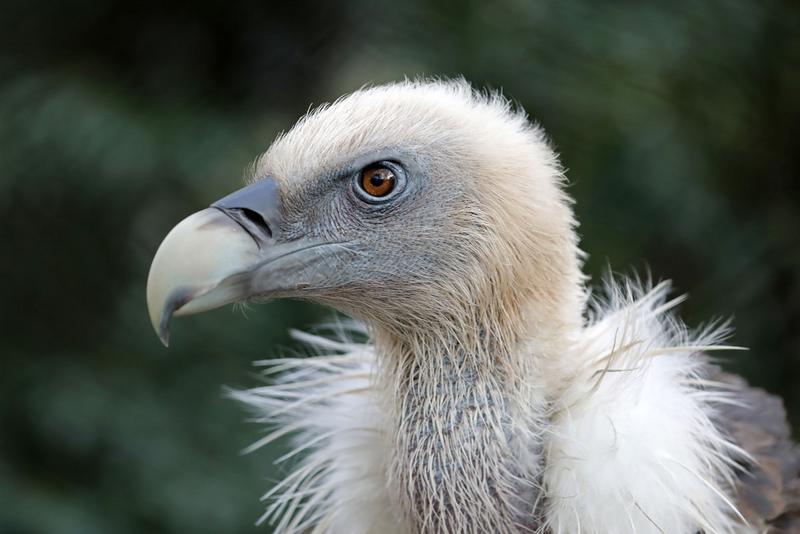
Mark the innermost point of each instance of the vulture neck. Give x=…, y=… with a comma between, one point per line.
x=465, y=419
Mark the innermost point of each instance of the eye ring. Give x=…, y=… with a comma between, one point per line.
x=378, y=182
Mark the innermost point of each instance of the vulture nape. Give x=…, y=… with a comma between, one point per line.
x=493, y=393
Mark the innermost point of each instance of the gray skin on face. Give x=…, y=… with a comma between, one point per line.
x=381, y=250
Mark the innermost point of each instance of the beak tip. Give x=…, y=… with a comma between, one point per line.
x=163, y=335
x=161, y=326
x=174, y=302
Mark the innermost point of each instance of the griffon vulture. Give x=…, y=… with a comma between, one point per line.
x=493, y=393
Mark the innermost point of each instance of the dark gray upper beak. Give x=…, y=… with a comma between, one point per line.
x=256, y=208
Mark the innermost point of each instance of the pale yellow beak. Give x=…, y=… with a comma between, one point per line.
x=208, y=259
x=195, y=269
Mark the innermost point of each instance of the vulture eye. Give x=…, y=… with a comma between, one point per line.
x=377, y=181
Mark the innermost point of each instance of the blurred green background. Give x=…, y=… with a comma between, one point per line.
x=679, y=125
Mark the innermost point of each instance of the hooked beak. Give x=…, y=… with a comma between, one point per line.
x=223, y=254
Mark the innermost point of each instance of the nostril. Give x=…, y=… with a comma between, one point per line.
x=251, y=222
x=257, y=220
x=256, y=208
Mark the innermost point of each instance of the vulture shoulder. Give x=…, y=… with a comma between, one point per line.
x=768, y=486
x=648, y=435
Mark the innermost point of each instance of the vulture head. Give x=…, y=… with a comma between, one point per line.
x=492, y=394
x=415, y=208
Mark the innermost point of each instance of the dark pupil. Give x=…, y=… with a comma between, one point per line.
x=377, y=179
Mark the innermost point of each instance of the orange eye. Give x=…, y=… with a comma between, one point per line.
x=378, y=181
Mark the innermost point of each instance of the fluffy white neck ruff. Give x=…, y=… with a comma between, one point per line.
x=623, y=440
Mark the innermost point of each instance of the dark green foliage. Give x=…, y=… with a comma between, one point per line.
x=678, y=124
